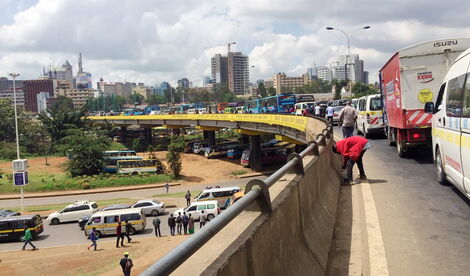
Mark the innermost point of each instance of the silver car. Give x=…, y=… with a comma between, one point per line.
x=150, y=206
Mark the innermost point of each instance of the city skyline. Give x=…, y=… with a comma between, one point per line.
x=166, y=41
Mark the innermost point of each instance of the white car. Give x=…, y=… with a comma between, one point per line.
x=73, y=212
x=210, y=208
x=150, y=206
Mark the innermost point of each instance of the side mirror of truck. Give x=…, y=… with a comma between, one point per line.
x=429, y=107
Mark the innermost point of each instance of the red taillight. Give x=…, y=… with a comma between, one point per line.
x=335, y=114
x=416, y=136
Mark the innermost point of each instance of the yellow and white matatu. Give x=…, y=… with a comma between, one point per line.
x=451, y=126
x=106, y=222
x=369, y=118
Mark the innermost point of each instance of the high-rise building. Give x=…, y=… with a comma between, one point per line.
x=162, y=88
x=33, y=88
x=78, y=96
x=238, y=73
x=123, y=89
x=207, y=80
x=83, y=79
x=312, y=73
x=324, y=73
x=365, y=77
x=183, y=83
x=219, y=69
x=6, y=90
x=64, y=73
x=348, y=68
x=283, y=83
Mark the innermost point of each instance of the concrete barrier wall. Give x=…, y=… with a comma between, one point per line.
x=295, y=239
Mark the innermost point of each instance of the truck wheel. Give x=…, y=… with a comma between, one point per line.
x=401, y=150
x=441, y=175
x=390, y=136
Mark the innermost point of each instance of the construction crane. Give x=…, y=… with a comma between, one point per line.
x=227, y=44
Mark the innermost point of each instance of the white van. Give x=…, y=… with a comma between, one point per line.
x=210, y=208
x=219, y=194
x=451, y=126
x=300, y=107
x=106, y=222
x=369, y=118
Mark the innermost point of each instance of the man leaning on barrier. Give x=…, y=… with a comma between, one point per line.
x=352, y=149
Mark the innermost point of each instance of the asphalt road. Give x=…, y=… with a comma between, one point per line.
x=70, y=234
x=425, y=226
x=135, y=194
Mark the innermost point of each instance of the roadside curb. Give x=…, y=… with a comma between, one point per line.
x=86, y=192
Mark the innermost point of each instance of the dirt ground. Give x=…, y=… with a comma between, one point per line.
x=196, y=168
x=77, y=260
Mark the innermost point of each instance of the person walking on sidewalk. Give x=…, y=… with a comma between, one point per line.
x=156, y=223
x=171, y=224
x=188, y=198
x=119, y=234
x=167, y=187
x=179, y=223
x=347, y=118
x=191, y=225
x=352, y=149
x=202, y=219
x=318, y=110
x=27, y=239
x=128, y=231
x=185, y=220
x=93, y=238
x=126, y=264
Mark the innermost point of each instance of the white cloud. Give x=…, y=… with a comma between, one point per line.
x=152, y=41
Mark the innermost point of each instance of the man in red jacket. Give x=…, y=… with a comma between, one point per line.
x=352, y=149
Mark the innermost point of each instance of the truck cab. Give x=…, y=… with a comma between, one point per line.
x=451, y=126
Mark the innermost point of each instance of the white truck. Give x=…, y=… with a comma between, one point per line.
x=408, y=80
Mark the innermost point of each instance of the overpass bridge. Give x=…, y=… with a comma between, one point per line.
x=284, y=224
x=295, y=129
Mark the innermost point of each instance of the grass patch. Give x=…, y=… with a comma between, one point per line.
x=117, y=146
x=239, y=172
x=63, y=182
x=181, y=194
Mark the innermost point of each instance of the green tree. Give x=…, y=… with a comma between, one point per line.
x=138, y=144
x=61, y=117
x=173, y=156
x=262, y=90
x=155, y=99
x=361, y=89
x=85, y=149
x=136, y=99
x=271, y=91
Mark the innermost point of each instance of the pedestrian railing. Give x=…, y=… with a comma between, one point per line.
x=255, y=190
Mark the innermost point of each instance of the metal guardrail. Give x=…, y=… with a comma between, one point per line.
x=255, y=190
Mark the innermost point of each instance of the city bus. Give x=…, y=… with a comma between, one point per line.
x=221, y=149
x=271, y=155
x=12, y=228
x=139, y=166
x=111, y=162
x=253, y=106
x=119, y=153
x=221, y=107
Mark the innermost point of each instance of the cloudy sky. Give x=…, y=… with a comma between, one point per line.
x=164, y=40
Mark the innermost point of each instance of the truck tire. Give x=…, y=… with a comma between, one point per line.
x=401, y=149
x=440, y=174
x=390, y=136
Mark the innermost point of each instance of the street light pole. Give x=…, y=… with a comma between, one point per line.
x=14, y=75
x=349, y=49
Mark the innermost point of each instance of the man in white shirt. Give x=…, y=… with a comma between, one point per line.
x=330, y=111
x=317, y=110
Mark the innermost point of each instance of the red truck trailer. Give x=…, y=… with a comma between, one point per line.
x=409, y=79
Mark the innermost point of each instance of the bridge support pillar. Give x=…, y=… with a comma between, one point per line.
x=245, y=139
x=176, y=131
x=205, y=134
x=211, y=138
x=255, y=155
x=123, y=134
x=148, y=136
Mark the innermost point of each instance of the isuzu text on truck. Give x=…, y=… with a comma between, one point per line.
x=408, y=80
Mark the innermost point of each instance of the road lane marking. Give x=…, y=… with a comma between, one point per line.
x=377, y=259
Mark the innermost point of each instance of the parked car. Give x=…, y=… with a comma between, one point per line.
x=150, y=206
x=73, y=212
x=210, y=208
x=8, y=213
